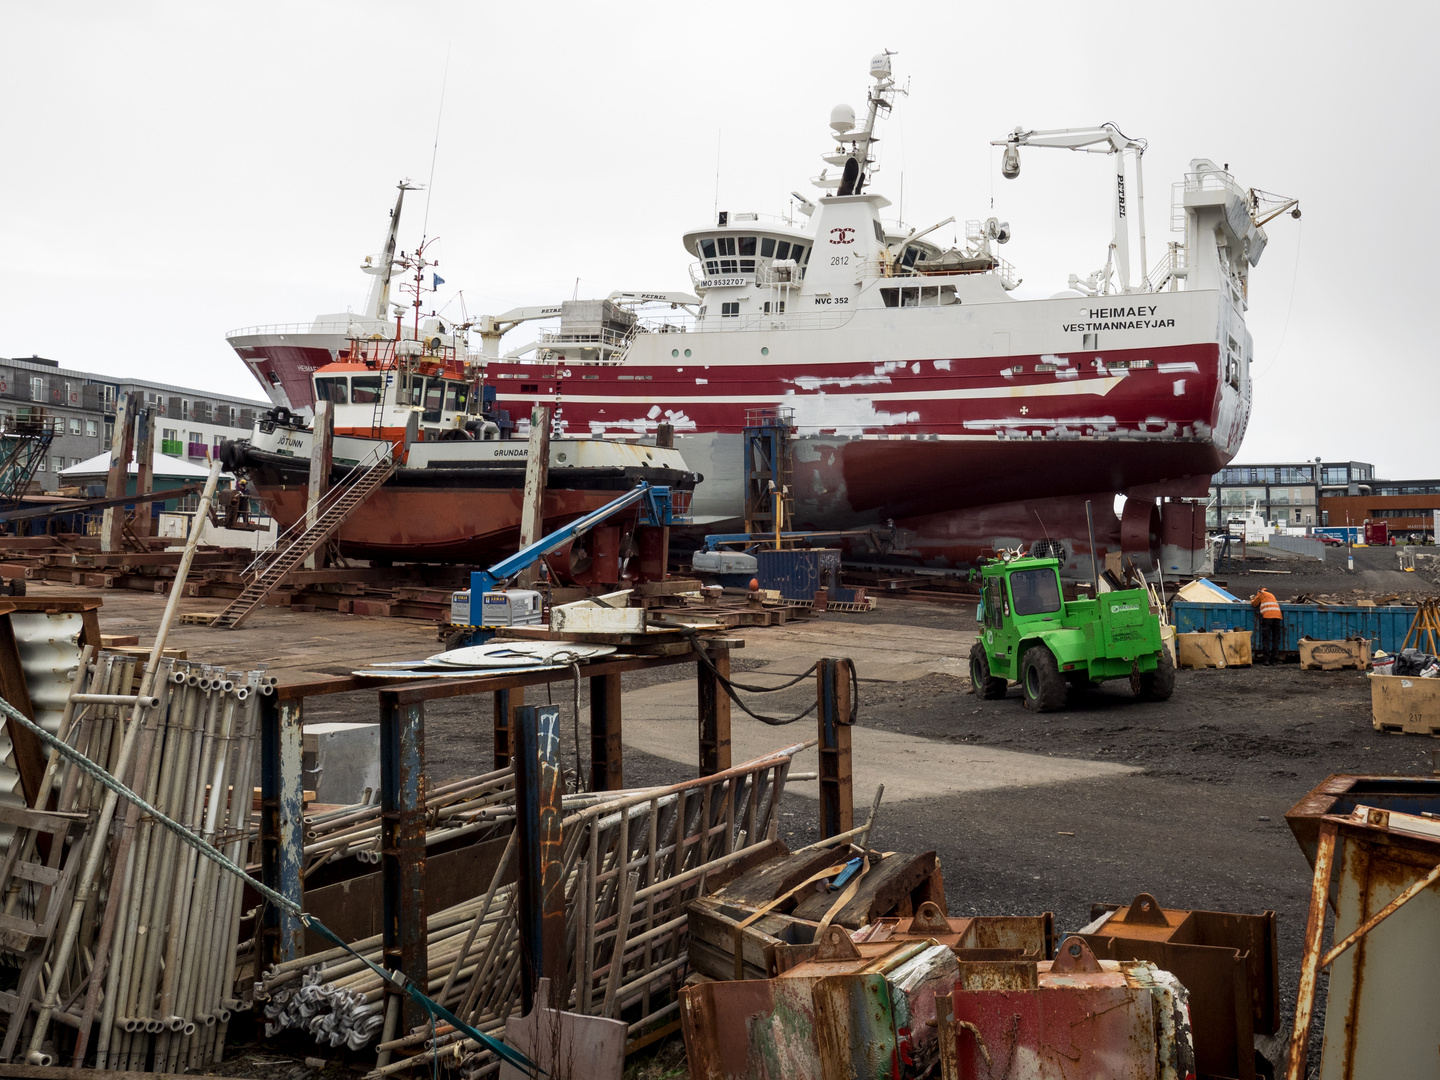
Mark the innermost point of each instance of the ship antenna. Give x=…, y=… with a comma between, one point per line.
x=715, y=211
x=435, y=150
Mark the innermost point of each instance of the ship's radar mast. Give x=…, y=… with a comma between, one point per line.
x=383, y=266
x=852, y=154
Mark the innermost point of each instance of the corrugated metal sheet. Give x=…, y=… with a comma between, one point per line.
x=1384, y=627
x=50, y=657
x=1300, y=545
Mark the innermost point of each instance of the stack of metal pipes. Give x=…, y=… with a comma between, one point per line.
x=341, y=1001
x=631, y=861
x=462, y=807
x=157, y=934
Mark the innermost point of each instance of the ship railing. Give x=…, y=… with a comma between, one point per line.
x=712, y=323
x=1171, y=267
x=1002, y=268
x=373, y=459
x=1215, y=180
x=758, y=270
x=606, y=337
x=316, y=326
x=756, y=216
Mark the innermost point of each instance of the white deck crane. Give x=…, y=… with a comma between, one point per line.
x=1105, y=139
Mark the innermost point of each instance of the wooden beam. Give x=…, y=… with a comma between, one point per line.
x=322, y=450
x=506, y=702
x=607, y=754
x=714, y=709
x=833, y=715
x=122, y=445
x=144, y=471
x=537, y=473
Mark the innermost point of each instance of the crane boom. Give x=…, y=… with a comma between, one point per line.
x=1105, y=139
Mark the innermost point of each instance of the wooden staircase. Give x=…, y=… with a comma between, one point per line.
x=271, y=567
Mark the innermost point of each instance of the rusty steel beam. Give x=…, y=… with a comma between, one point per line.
x=714, y=708
x=834, y=717
x=1295, y=1068
x=1380, y=916
x=402, y=845
x=607, y=754
x=282, y=824
x=30, y=754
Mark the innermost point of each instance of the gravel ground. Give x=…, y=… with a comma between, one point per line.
x=1199, y=825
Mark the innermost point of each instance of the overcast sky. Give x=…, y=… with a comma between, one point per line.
x=173, y=171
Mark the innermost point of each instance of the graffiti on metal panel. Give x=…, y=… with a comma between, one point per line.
x=552, y=790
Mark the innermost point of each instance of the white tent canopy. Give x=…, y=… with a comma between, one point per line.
x=164, y=465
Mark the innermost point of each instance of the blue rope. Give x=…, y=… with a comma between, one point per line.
x=209, y=851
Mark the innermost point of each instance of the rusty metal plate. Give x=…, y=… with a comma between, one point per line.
x=1085, y=1019
x=1253, y=937
x=761, y=1028
x=1032, y=935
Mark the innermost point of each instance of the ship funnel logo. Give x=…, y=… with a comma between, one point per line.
x=842, y=236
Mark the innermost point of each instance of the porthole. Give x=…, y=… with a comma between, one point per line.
x=764, y=351
x=676, y=352
x=687, y=352
x=560, y=456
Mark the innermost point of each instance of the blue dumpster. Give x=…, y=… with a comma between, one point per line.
x=1384, y=627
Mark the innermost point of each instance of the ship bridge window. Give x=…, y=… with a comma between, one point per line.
x=365, y=389
x=747, y=245
x=782, y=250
x=434, y=398
x=456, y=395
x=918, y=296
x=767, y=247
x=879, y=232
x=707, y=249
x=911, y=254
x=336, y=390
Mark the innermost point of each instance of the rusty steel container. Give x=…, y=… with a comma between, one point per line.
x=1376, y=869
x=1073, y=1018
x=858, y=1011
x=1228, y=962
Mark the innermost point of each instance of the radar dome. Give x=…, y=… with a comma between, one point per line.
x=880, y=66
x=842, y=118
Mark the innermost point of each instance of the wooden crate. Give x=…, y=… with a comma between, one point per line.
x=1213, y=649
x=1334, y=655
x=1405, y=703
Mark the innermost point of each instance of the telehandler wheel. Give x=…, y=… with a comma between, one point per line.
x=1041, y=679
x=1156, y=685
x=985, y=685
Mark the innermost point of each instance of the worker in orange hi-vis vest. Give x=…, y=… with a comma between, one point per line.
x=1272, y=626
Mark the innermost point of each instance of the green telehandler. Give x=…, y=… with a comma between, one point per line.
x=1031, y=635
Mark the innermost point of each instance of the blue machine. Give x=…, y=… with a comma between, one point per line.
x=657, y=507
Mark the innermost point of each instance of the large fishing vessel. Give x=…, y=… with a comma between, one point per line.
x=924, y=401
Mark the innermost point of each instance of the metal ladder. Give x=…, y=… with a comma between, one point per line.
x=46, y=881
x=270, y=567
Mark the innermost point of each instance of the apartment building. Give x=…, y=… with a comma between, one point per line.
x=189, y=424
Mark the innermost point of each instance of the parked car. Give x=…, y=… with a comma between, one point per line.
x=1332, y=541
